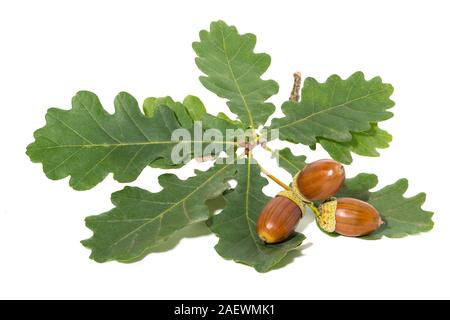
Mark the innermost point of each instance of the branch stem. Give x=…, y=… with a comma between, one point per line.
x=274, y=179
x=295, y=93
x=314, y=209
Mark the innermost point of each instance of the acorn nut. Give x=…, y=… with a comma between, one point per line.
x=278, y=219
x=349, y=217
x=320, y=180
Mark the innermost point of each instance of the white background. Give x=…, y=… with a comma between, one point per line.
x=51, y=49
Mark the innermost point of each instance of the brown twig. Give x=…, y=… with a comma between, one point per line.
x=295, y=93
x=273, y=178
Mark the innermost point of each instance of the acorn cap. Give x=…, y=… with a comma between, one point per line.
x=327, y=219
x=294, y=197
x=296, y=190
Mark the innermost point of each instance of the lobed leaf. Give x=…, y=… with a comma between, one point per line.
x=236, y=224
x=363, y=143
x=358, y=187
x=87, y=143
x=142, y=220
x=335, y=112
x=149, y=107
x=233, y=71
x=191, y=110
x=402, y=216
x=151, y=104
x=195, y=108
x=290, y=162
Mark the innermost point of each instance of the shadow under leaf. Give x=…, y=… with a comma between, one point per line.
x=291, y=256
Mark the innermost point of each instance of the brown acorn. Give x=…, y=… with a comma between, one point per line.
x=320, y=179
x=278, y=219
x=349, y=217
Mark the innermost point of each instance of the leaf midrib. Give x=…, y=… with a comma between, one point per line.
x=116, y=145
x=406, y=222
x=247, y=213
x=236, y=83
x=119, y=143
x=330, y=108
x=289, y=162
x=150, y=220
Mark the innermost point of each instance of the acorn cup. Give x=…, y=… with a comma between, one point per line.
x=319, y=180
x=348, y=217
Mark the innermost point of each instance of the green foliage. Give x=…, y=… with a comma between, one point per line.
x=87, y=143
x=141, y=220
x=233, y=71
x=152, y=104
x=195, y=107
x=290, y=162
x=358, y=187
x=402, y=216
x=236, y=224
x=363, y=143
x=192, y=109
x=336, y=110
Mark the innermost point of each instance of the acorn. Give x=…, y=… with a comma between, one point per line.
x=279, y=218
x=320, y=180
x=349, y=217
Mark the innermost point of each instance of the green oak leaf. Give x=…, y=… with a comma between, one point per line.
x=402, y=216
x=184, y=118
x=221, y=121
x=233, y=71
x=222, y=124
x=181, y=113
x=358, y=187
x=87, y=143
x=192, y=109
x=142, y=220
x=236, y=123
x=290, y=162
x=334, y=110
x=363, y=143
x=236, y=224
x=166, y=164
x=195, y=107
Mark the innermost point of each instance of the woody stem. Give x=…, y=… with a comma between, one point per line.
x=295, y=93
x=314, y=209
x=274, y=179
x=294, y=97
